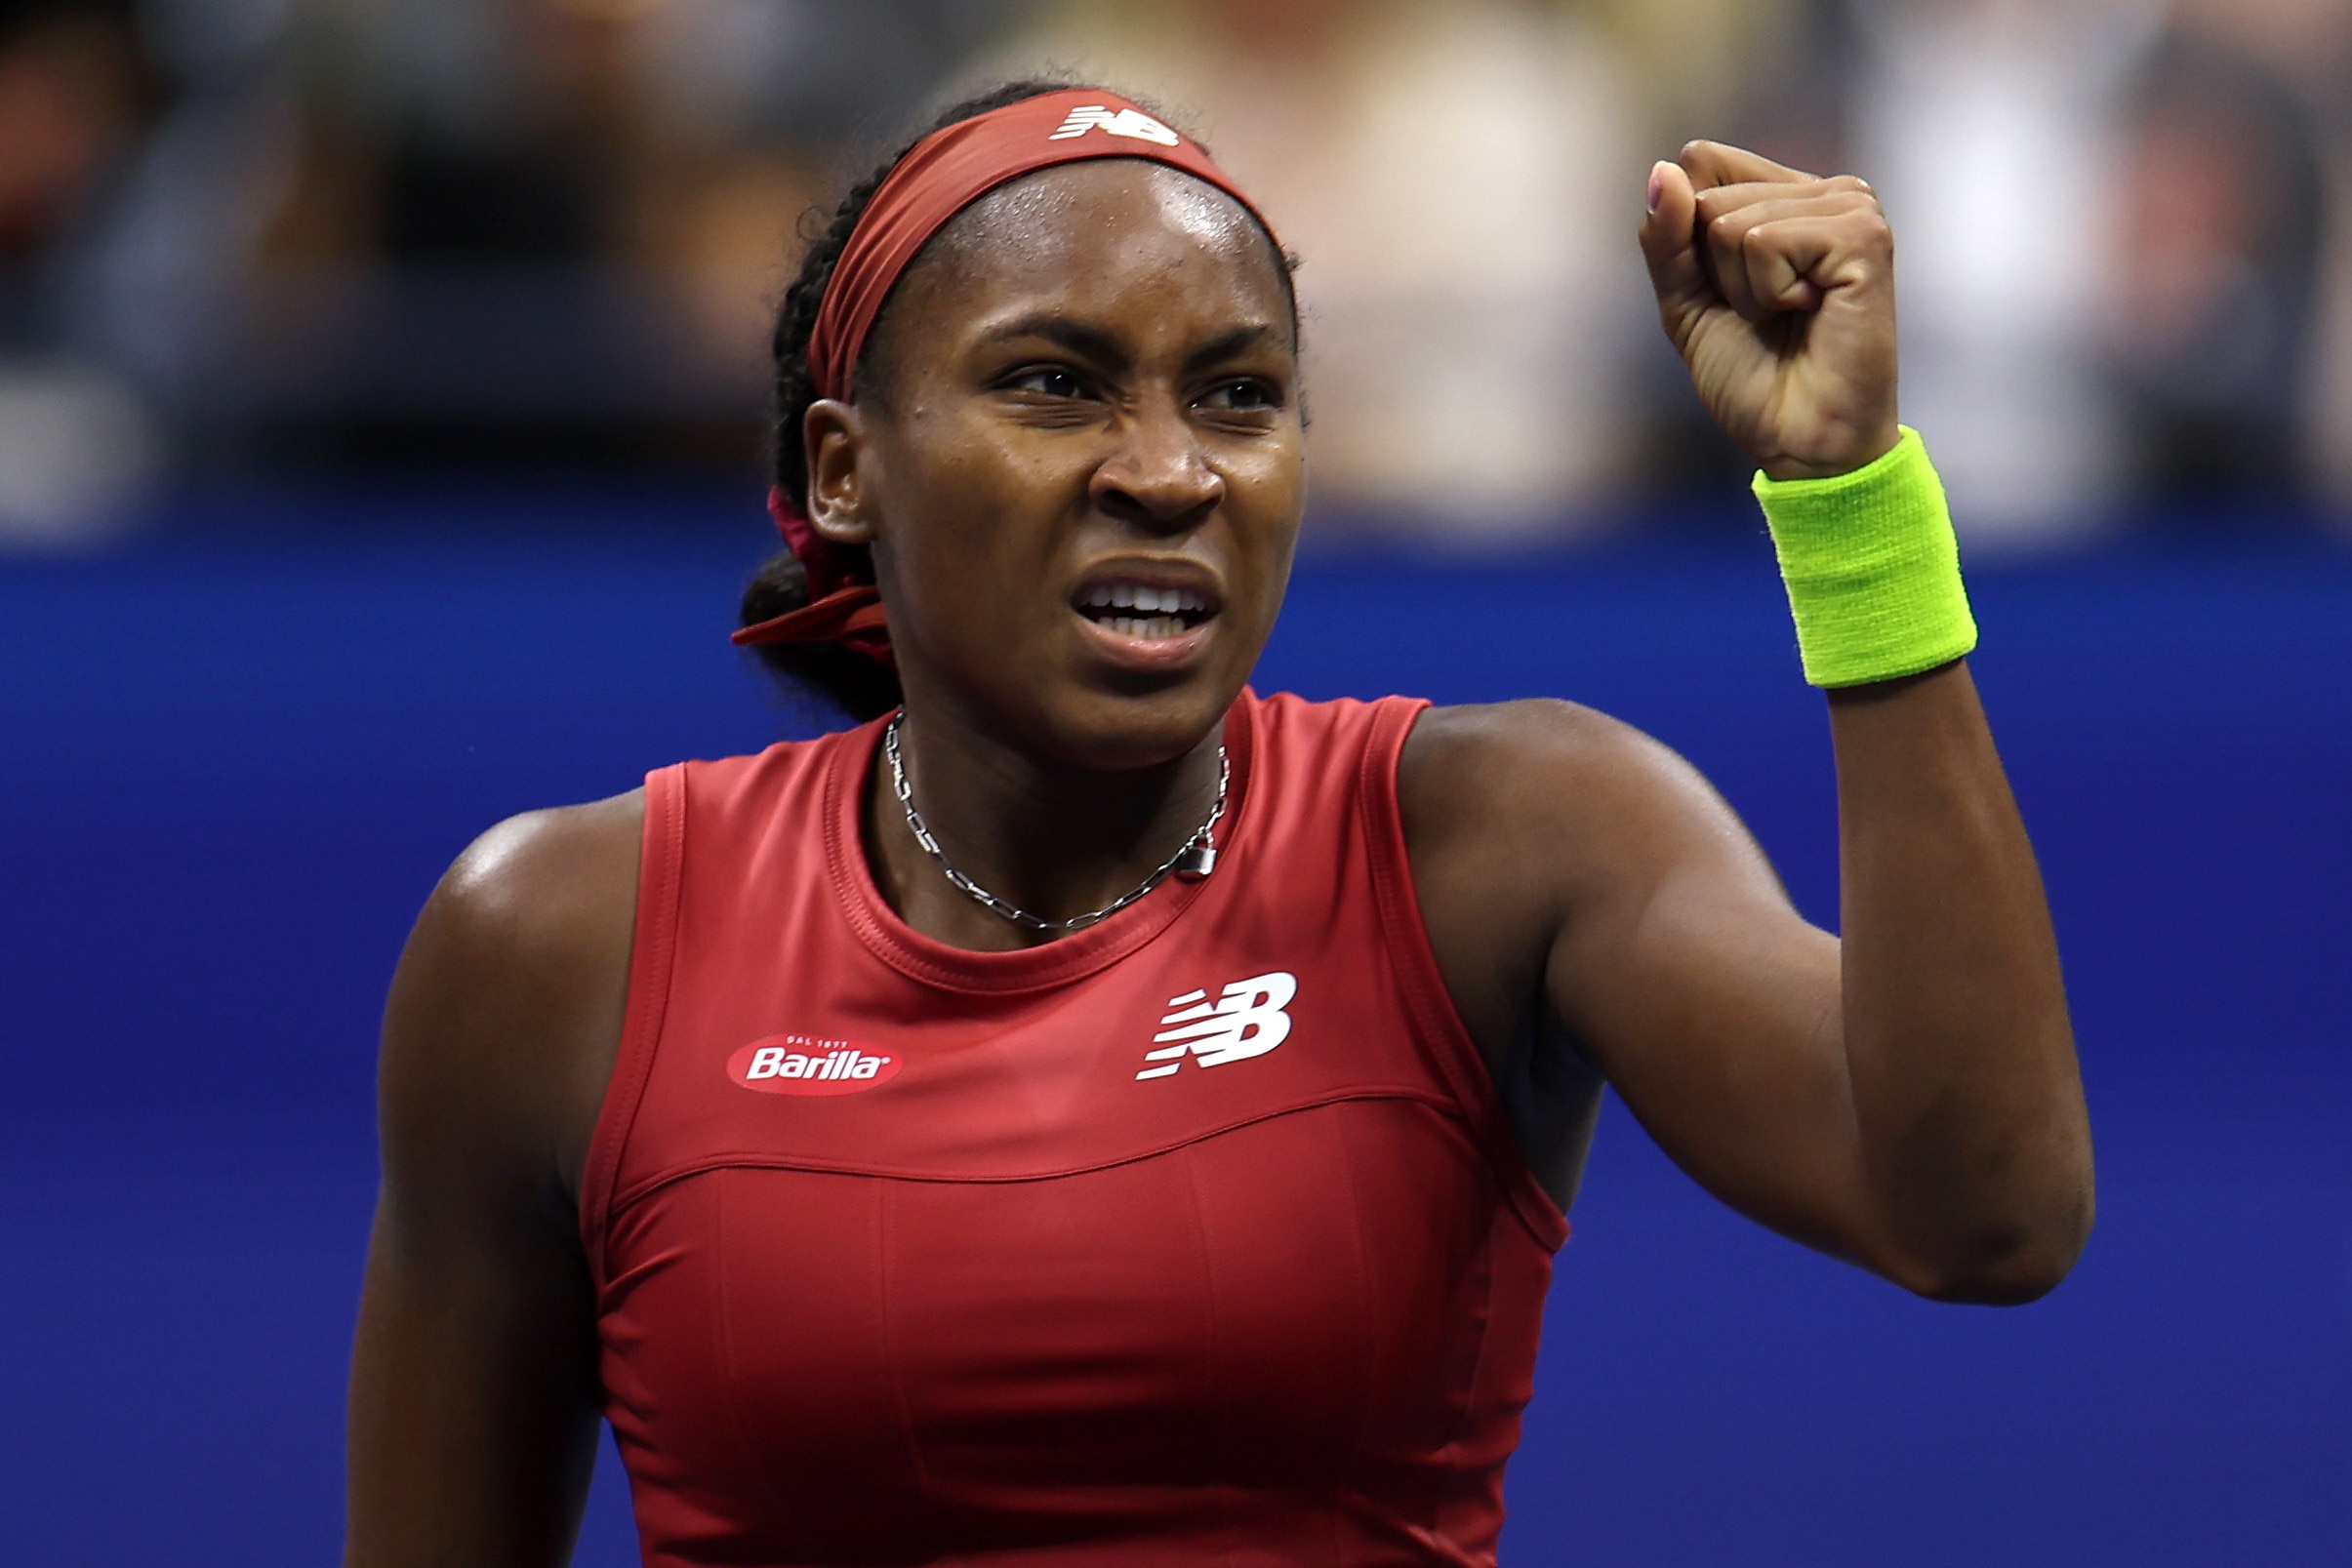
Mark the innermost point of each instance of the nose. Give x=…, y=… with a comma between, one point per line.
x=1157, y=477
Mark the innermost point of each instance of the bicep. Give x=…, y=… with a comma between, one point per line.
x=473, y=1419
x=473, y=1409
x=1710, y=1004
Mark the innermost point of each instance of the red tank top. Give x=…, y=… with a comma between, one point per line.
x=1199, y=1235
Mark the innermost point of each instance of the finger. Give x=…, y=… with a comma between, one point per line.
x=1728, y=265
x=1726, y=254
x=1842, y=194
x=1669, y=244
x=1772, y=257
x=1725, y=245
x=1777, y=262
x=1714, y=163
x=1725, y=231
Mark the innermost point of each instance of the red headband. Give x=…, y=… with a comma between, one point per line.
x=938, y=177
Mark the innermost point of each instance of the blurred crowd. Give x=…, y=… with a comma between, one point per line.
x=238, y=235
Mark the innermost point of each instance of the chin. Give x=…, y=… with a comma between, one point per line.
x=1114, y=730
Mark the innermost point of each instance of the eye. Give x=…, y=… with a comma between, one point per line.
x=1046, y=381
x=1246, y=395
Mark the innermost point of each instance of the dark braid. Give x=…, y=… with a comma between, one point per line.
x=849, y=680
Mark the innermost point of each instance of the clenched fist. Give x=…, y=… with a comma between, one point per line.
x=1779, y=289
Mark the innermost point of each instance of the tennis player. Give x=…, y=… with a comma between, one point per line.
x=1092, y=1113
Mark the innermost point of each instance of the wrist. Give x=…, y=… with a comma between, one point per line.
x=1871, y=566
x=1787, y=467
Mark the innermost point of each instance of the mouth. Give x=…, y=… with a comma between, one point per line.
x=1147, y=610
x=1151, y=619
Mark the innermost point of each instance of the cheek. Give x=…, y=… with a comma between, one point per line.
x=1267, y=500
x=973, y=528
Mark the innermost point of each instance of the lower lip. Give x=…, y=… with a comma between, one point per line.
x=1148, y=653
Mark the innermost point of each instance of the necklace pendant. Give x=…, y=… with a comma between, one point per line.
x=1195, y=860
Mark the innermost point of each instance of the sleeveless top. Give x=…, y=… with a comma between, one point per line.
x=1199, y=1235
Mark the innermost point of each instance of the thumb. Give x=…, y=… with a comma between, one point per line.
x=1669, y=244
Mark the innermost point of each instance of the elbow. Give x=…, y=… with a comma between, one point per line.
x=2017, y=1280
x=2010, y=1263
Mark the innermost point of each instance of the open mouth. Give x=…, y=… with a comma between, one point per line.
x=1143, y=610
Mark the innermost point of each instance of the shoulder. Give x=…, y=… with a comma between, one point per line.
x=1544, y=774
x=1543, y=730
x=505, y=1014
x=1538, y=809
x=1524, y=821
x=542, y=887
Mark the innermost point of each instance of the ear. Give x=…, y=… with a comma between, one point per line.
x=839, y=504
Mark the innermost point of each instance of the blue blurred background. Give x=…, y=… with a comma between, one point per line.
x=380, y=392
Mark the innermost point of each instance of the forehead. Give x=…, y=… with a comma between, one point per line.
x=1115, y=239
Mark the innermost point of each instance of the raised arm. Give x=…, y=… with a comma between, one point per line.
x=474, y=1414
x=1907, y=1097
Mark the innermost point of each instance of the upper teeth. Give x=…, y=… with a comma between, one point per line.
x=1144, y=597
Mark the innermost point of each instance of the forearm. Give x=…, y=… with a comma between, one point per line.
x=1967, y=1106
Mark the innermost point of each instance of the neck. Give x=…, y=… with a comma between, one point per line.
x=1055, y=839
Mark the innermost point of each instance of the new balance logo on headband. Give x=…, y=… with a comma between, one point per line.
x=1132, y=123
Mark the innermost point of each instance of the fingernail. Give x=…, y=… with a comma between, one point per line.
x=1657, y=183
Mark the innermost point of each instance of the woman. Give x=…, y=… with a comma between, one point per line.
x=1097, y=1113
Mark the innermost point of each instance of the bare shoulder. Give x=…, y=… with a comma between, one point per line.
x=1520, y=818
x=505, y=1014
x=1526, y=821
x=1510, y=776
x=1542, y=730
x=545, y=887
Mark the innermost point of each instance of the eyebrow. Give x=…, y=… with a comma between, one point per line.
x=1079, y=337
x=1237, y=342
x=1103, y=348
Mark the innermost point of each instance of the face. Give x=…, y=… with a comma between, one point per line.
x=1083, y=478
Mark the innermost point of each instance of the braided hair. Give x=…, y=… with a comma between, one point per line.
x=843, y=677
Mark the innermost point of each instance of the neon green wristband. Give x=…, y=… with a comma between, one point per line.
x=1871, y=569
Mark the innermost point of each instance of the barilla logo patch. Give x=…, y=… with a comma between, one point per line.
x=802, y=1064
x=1133, y=124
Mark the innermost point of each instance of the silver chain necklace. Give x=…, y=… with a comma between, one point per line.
x=1193, y=862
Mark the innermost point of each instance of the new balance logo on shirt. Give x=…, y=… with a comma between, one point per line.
x=1248, y=1020
x=1131, y=123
